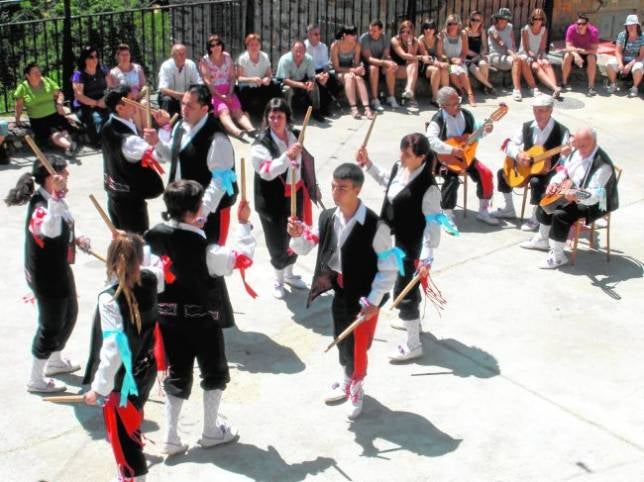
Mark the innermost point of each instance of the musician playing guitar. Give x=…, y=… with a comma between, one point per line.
x=592, y=193
x=452, y=121
x=542, y=131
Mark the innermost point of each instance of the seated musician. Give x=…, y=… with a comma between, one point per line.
x=591, y=171
x=452, y=121
x=542, y=131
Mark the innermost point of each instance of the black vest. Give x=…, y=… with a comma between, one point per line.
x=193, y=285
x=47, y=269
x=141, y=344
x=359, y=260
x=124, y=179
x=555, y=139
x=612, y=197
x=469, y=123
x=405, y=214
x=193, y=158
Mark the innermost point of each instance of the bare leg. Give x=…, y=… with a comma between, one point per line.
x=61, y=139
x=362, y=90
x=433, y=74
x=228, y=123
x=637, y=78
x=412, y=77
x=477, y=72
x=456, y=82
x=591, y=69
x=612, y=74
x=374, y=77
x=516, y=74
x=444, y=77
x=550, y=73
x=390, y=79
x=243, y=120
x=565, y=67
x=543, y=76
x=526, y=70
x=349, y=88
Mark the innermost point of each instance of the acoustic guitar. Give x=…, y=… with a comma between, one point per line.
x=556, y=200
x=518, y=175
x=468, y=143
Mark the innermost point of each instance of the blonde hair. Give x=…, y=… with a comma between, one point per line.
x=453, y=18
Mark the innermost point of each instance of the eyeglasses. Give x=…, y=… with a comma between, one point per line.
x=214, y=44
x=582, y=24
x=475, y=19
x=405, y=31
x=534, y=19
x=451, y=24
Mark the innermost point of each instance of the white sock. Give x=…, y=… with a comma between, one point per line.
x=288, y=271
x=557, y=247
x=279, y=276
x=211, y=400
x=509, y=202
x=56, y=358
x=172, y=410
x=449, y=213
x=533, y=217
x=413, y=332
x=37, y=377
x=544, y=231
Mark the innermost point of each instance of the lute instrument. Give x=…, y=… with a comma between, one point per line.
x=551, y=202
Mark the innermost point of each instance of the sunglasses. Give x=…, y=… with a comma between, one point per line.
x=214, y=44
x=451, y=24
x=534, y=19
x=405, y=31
x=582, y=24
x=475, y=19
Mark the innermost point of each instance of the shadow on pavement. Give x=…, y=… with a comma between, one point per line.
x=469, y=223
x=253, y=462
x=317, y=317
x=409, y=431
x=255, y=352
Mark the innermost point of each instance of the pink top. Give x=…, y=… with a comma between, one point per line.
x=220, y=74
x=582, y=41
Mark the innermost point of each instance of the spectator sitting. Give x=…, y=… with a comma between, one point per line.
x=629, y=56
x=218, y=73
x=405, y=51
x=453, y=47
x=503, y=54
x=296, y=71
x=128, y=73
x=175, y=76
x=4, y=132
x=582, y=40
x=319, y=52
x=43, y=100
x=477, y=51
x=255, y=82
x=432, y=68
x=534, y=38
x=345, y=58
x=89, y=86
x=375, y=54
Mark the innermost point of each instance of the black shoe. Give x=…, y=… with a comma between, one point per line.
x=318, y=116
x=4, y=156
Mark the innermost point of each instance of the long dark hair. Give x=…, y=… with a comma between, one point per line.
x=84, y=55
x=26, y=185
x=418, y=144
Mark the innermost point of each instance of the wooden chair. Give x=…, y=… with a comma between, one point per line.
x=436, y=172
x=526, y=188
x=580, y=226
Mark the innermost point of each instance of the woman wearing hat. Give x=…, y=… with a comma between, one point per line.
x=629, y=56
x=503, y=53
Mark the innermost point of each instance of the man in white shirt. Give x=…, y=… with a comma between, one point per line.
x=593, y=193
x=318, y=50
x=175, y=76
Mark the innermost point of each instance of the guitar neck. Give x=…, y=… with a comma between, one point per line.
x=474, y=135
x=549, y=153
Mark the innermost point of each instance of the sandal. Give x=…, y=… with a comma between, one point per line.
x=471, y=99
x=355, y=113
x=368, y=112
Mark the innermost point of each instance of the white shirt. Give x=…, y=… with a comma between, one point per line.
x=57, y=212
x=431, y=204
x=539, y=137
x=387, y=266
x=320, y=54
x=577, y=169
x=269, y=168
x=252, y=69
x=170, y=77
x=134, y=146
x=454, y=126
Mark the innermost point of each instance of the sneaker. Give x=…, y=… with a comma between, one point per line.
x=612, y=88
x=47, y=385
x=226, y=434
x=169, y=448
x=376, y=105
x=412, y=104
x=356, y=397
x=530, y=225
x=339, y=392
x=591, y=92
x=278, y=290
x=295, y=281
x=317, y=115
x=556, y=94
x=516, y=95
x=60, y=366
x=486, y=217
x=72, y=150
x=407, y=95
x=566, y=87
x=506, y=212
x=633, y=92
x=536, y=242
x=404, y=353
x=536, y=92
x=398, y=324
x=391, y=101
x=553, y=261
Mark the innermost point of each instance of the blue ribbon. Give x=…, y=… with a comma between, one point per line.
x=227, y=177
x=398, y=254
x=128, y=386
x=443, y=220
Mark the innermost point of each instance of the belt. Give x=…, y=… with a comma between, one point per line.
x=189, y=311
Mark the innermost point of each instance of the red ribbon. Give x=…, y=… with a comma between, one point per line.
x=35, y=223
x=167, y=274
x=310, y=236
x=243, y=262
x=29, y=298
x=159, y=349
x=131, y=419
x=307, y=206
x=505, y=143
x=265, y=166
x=149, y=161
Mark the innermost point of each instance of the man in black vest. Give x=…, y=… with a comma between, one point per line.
x=542, y=131
x=452, y=121
x=591, y=171
x=350, y=262
x=199, y=150
x=131, y=173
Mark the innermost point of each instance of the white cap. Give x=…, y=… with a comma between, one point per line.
x=632, y=20
x=543, y=101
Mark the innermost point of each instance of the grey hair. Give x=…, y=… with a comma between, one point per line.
x=312, y=26
x=444, y=94
x=588, y=130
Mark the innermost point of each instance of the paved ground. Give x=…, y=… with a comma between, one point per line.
x=528, y=375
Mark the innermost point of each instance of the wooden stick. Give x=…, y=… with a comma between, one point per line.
x=366, y=138
x=134, y=103
x=173, y=119
x=242, y=175
x=300, y=138
x=348, y=330
x=96, y=255
x=407, y=289
x=64, y=399
x=148, y=112
x=41, y=157
x=103, y=214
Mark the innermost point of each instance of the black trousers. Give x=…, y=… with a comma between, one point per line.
x=562, y=219
x=254, y=99
x=537, y=185
x=170, y=104
x=128, y=214
x=449, y=191
x=343, y=316
x=408, y=309
x=187, y=339
x=277, y=241
x=56, y=321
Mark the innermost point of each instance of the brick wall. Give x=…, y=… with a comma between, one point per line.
x=608, y=18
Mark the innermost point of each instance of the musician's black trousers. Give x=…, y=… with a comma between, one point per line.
x=478, y=172
x=562, y=219
x=129, y=214
x=408, y=309
x=537, y=184
x=56, y=321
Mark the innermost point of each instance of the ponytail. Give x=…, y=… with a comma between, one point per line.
x=23, y=191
